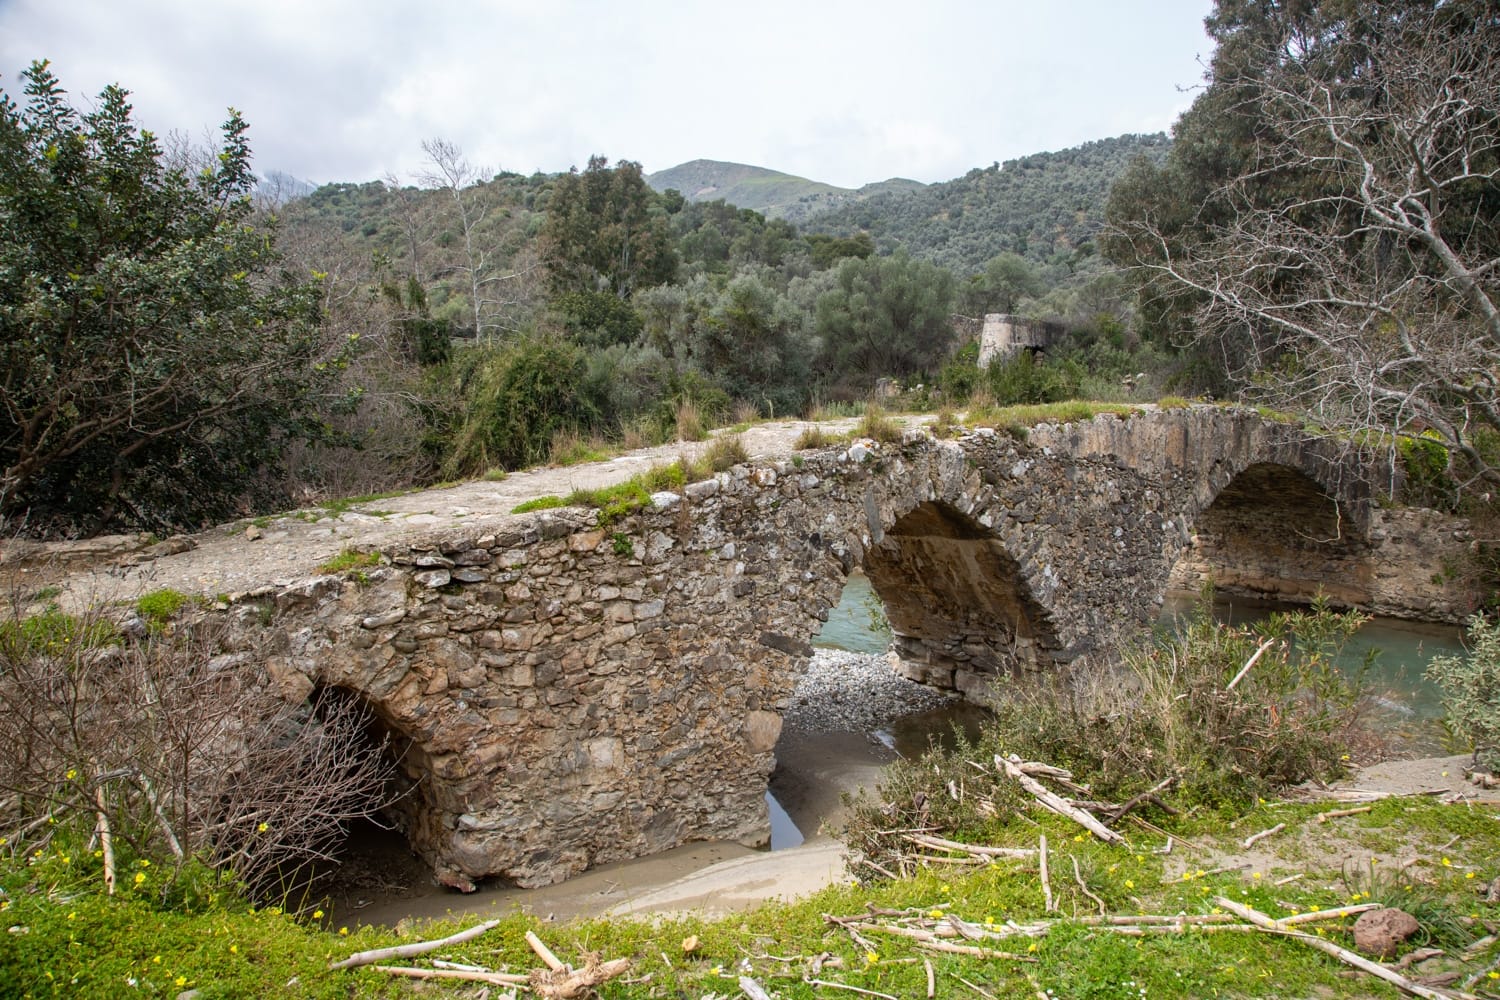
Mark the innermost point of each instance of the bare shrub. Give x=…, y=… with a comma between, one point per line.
x=178, y=748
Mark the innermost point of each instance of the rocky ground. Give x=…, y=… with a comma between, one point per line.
x=845, y=692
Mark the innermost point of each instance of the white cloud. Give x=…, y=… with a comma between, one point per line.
x=831, y=89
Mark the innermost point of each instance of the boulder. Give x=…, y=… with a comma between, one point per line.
x=1382, y=932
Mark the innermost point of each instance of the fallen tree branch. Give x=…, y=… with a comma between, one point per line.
x=1324, y=817
x=939, y=844
x=544, y=953
x=1254, y=837
x=1046, y=881
x=1057, y=803
x=493, y=978
x=1249, y=663
x=415, y=948
x=852, y=989
x=1402, y=983
x=570, y=984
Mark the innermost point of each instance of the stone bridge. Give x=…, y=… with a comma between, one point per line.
x=564, y=694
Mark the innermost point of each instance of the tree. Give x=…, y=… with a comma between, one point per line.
x=155, y=360
x=885, y=316
x=485, y=280
x=1344, y=255
x=606, y=232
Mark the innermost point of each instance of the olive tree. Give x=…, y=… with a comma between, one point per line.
x=156, y=360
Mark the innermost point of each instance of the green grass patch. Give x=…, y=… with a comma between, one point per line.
x=816, y=436
x=52, y=632
x=540, y=503
x=878, y=425
x=350, y=560
x=90, y=944
x=161, y=606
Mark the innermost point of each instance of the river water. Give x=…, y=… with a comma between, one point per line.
x=1402, y=703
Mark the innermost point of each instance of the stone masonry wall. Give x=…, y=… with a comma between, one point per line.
x=568, y=694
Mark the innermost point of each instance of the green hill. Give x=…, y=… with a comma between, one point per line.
x=770, y=192
x=1038, y=206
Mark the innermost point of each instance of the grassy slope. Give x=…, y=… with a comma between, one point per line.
x=92, y=946
x=771, y=192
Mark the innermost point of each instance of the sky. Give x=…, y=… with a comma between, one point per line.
x=842, y=92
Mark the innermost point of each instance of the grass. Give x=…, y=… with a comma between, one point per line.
x=1016, y=420
x=161, y=606
x=53, y=631
x=816, y=436
x=878, y=425
x=350, y=560
x=540, y=503
x=724, y=452
x=229, y=949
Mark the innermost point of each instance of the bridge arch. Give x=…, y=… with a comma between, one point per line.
x=959, y=606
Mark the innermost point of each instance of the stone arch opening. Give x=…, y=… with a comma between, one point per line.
x=1274, y=532
x=958, y=605
x=378, y=770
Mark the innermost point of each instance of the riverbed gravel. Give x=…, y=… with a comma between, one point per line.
x=843, y=692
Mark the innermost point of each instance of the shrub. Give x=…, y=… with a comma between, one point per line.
x=725, y=452
x=187, y=758
x=161, y=606
x=878, y=425
x=815, y=436
x=1471, y=691
x=1167, y=711
x=690, y=422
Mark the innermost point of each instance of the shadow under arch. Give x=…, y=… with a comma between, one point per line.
x=1276, y=533
x=957, y=602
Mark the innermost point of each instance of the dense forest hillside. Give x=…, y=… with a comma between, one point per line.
x=1038, y=206
x=772, y=193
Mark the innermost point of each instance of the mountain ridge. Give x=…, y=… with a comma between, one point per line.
x=773, y=193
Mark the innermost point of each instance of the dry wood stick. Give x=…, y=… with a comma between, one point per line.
x=931, y=980
x=845, y=986
x=982, y=992
x=1078, y=877
x=544, y=953
x=1334, y=913
x=1250, y=840
x=939, y=844
x=106, y=841
x=161, y=818
x=1153, y=828
x=1057, y=803
x=415, y=948
x=1344, y=955
x=753, y=990
x=1046, y=882
x=493, y=978
x=973, y=950
x=851, y=926
x=1324, y=817
x=1249, y=663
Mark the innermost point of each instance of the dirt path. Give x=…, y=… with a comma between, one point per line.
x=226, y=560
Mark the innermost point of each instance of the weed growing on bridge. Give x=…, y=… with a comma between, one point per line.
x=878, y=425
x=540, y=503
x=815, y=436
x=161, y=606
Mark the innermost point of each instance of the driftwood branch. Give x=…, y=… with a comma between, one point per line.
x=544, y=953
x=106, y=839
x=1057, y=803
x=415, y=948
x=1046, y=881
x=1250, y=663
x=1344, y=955
x=1251, y=840
x=493, y=978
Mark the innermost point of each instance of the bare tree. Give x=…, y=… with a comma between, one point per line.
x=483, y=262
x=1353, y=269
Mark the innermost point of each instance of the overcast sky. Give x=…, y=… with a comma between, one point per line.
x=842, y=92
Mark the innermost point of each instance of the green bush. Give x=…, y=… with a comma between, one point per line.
x=1167, y=711
x=161, y=606
x=1471, y=691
